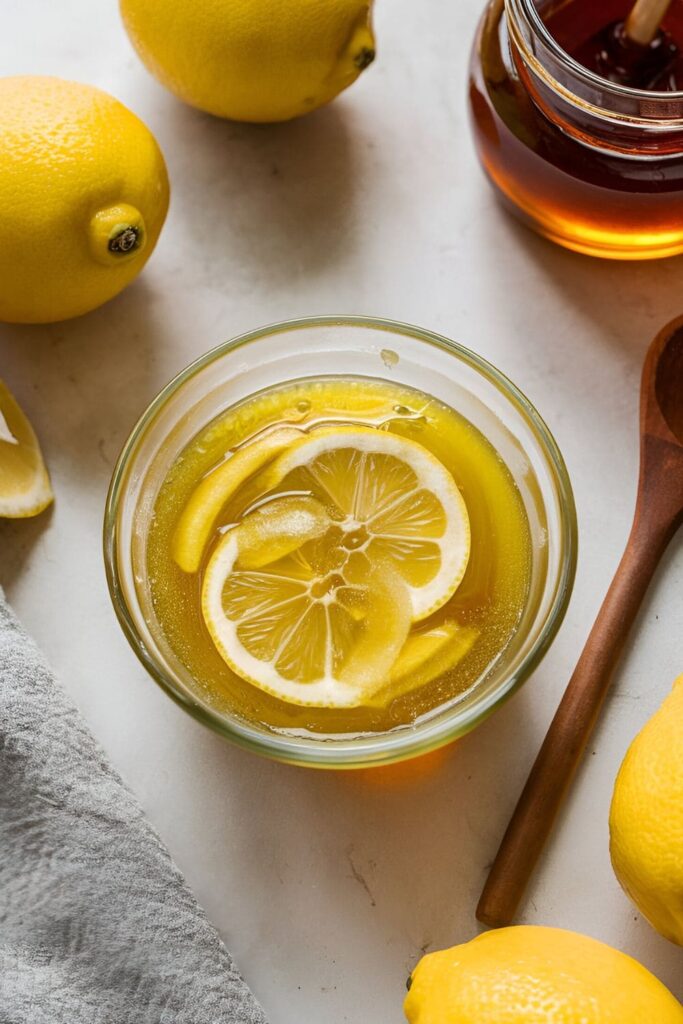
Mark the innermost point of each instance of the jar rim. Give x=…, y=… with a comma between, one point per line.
x=585, y=88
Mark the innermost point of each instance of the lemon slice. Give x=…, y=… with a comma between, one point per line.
x=278, y=528
x=395, y=501
x=296, y=627
x=312, y=597
x=196, y=522
x=425, y=656
x=24, y=483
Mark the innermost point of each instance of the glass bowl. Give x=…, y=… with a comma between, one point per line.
x=360, y=347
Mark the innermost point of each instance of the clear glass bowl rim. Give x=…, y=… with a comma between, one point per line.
x=393, y=746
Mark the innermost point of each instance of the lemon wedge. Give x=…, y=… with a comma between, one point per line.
x=394, y=500
x=312, y=596
x=24, y=482
x=196, y=522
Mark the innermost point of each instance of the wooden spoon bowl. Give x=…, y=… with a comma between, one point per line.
x=669, y=384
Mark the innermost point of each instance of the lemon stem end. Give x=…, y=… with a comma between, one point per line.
x=364, y=58
x=124, y=239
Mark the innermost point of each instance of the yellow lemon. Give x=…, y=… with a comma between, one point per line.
x=253, y=60
x=83, y=197
x=646, y=819
x=530, y=975
x=24, y=484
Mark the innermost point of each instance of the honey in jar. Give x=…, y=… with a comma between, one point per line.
x=579, y=129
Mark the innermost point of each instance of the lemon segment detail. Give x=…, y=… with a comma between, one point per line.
x=303, y=638
x=24, y=482
x=278, y=528
x=396, y=501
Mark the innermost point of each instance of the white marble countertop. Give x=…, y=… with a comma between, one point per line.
x=328, y=887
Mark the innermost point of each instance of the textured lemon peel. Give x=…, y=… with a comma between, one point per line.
x=67, y=148
x=536, y=974
x=646, y=819
x=247, y=60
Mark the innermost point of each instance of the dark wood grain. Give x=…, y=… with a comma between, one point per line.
x=659, y=513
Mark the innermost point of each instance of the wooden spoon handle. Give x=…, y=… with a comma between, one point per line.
x=571, y=728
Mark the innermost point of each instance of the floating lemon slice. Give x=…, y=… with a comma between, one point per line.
x=311, y=598
x=24, y=483
x=278, y=528
x=297, y=628
x=394, y=500
x=199, y=515
x=425, y=656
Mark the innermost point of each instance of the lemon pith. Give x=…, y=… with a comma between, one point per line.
x=535, y=975
x=24, y=482
x=253, y=60
x=646, y=819
x=83, y=197
x=312, y=596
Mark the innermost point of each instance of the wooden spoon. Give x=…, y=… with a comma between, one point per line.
x=659, y=513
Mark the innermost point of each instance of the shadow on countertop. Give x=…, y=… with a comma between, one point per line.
x=274, y=203
x=628, y=301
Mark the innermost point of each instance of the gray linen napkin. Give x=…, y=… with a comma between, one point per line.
x=97, y=925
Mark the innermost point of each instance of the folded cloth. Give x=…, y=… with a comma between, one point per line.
x=97, y=925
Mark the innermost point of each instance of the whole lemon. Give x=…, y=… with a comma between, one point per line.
x=646, y=819
x=529, y=975
x=253, y=60
x=83, y=197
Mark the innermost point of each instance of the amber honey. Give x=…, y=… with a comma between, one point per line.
x=589, y=158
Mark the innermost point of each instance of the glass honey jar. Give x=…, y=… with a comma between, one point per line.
x=580, y=154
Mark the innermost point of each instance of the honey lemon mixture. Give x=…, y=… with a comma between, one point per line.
x=338, y=555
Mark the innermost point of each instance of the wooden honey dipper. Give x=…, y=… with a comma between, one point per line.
x=642, y=24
